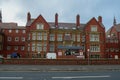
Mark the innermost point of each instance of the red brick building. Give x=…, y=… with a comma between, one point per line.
x=14, y=39
x=67, y=40
x=113, y=41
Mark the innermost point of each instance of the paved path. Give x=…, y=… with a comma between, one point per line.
x=59, y=67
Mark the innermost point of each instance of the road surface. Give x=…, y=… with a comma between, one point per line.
x=33, y=75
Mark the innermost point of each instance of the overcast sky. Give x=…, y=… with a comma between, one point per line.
x=16, y=10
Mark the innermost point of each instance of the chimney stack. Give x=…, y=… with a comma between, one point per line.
x=0, y=16
x=56, y=20
x=99, y=19
x=77, y=20
x=28, y=16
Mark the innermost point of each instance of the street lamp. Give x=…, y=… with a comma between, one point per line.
x=88, y=50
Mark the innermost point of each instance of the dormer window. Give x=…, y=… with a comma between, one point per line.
x=40, y=26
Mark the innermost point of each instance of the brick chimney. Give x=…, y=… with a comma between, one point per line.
x=56, y=20
x=28, y=16
x=99, y=19
x=77, y=20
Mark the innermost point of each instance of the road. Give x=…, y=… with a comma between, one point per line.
x=33, y=75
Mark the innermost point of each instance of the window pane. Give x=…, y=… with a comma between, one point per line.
x=40, y=26
x=93, y=28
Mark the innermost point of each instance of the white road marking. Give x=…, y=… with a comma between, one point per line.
x=74, y=77
x=1, y=78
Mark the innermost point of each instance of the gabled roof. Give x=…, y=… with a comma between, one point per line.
x=101, y=24
x=32, y=21
x=117, y=28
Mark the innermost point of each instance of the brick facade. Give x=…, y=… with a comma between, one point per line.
x=67, y=40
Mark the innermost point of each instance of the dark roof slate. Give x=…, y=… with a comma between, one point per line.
x=10, y=26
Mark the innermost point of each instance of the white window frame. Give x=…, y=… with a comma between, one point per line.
x=39, y=47
x=93, y=28
x=15, y=47
x=45, y=36
x=23, y=39
x=94, y=48
x=59, y=37
x=28, y=47
x=94, y=37
x=39, y=36
x=9, y=38
x=52, y=48
x=78, y=37
x=33, y=46
x=8, y=47
x=16, y=39
x=52, y=37
x=22, y=48
x=40, y=26
x=33, y=36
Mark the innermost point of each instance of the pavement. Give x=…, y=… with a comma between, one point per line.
x=47, y=68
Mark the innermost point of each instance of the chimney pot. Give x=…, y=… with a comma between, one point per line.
x=100, y=19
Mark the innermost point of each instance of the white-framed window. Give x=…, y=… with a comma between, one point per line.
x=45, y=47
x=10, y=31
x=45, y=36
x=52, y=37
x=78, y=37
x=39, y=36
x=94, y=28
x=22, y=48
x=94, y=48
x=9, y=38
x=40, y=26
x=8, y=47
x=17, y=31
x=33, y=46
x=67, y=36
x=16, y=48
x=33, y=36
x=16, y=38
x=83, y=38
x=52, y=48
x=39, y=47
x=23, y=39
x=59, y=37
x=23, y=31
x=28, y=47
x=94, y=37
x=73, y=37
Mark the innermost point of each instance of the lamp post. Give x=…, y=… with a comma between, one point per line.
x=88, y=56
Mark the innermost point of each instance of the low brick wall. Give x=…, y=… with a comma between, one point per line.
x=62, y=61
